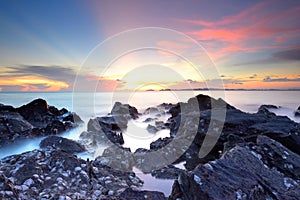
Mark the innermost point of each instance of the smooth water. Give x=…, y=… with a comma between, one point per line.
x=89, y=105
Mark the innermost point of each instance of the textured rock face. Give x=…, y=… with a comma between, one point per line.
x=266, y=170
x=34, y=119
x=60, y=143
x=243, y=127
x=57, y=174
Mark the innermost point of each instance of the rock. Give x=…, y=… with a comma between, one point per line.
x=54, y=174
x=103, y=130
x=72, y=117
x=297, y=112
x=243, y=126
x=33, y=120
x=142, y=195
x=151, y=129
x=117, y=157
x=120, y=109
x=151, y=111
x=158, y=144
x=176, y=191
x=264, y=109
x=244, y=173
x=12, y=126
x=56, y=142
x=149, y=119
x=168, y=172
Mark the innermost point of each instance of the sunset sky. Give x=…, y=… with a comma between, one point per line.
x=45, y=44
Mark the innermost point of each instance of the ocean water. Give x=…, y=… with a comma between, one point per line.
x=90, y=105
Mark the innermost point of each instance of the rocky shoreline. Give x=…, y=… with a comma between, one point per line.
x=256, y=155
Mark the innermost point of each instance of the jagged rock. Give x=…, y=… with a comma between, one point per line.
x=264, y=109
x=56, y=142
x=297, y=112
x=101, y=130
x=244, y=173
x=120, y=109
x=241, y=125
x=160, y=143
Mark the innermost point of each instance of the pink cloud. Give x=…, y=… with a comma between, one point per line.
x=265, y=25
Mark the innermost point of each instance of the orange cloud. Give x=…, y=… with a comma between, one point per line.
x=34, y=83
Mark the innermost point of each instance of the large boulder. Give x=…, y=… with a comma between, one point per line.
x=120, y=109
x=238, y=124
x=244, y=172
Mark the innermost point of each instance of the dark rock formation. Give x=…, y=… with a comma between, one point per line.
x=120, y=109
x=103, y=130
x=297, y=112
x=238, y=124
x=264, y=109
x=60, y=143
x=168, y=172
x=265, y=170
x=32, y=120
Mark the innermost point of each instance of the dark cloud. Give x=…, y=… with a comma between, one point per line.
x=269, y=79
x=52, y=72
x=288, y=55
x=253, y=76
x=277, y=57
x=190, y=81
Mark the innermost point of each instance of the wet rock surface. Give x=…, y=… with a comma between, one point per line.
x=60, y=143
x=240, y=126
x=57, y=174
x=34, y=119
x=252, y=171
x=250, y=155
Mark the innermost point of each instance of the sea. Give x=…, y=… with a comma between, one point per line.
x=90, y=105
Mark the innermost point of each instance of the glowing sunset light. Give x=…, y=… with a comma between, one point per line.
x=42, y=52
x=32, y=83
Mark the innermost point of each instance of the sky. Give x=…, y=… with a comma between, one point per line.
x=62, y=45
